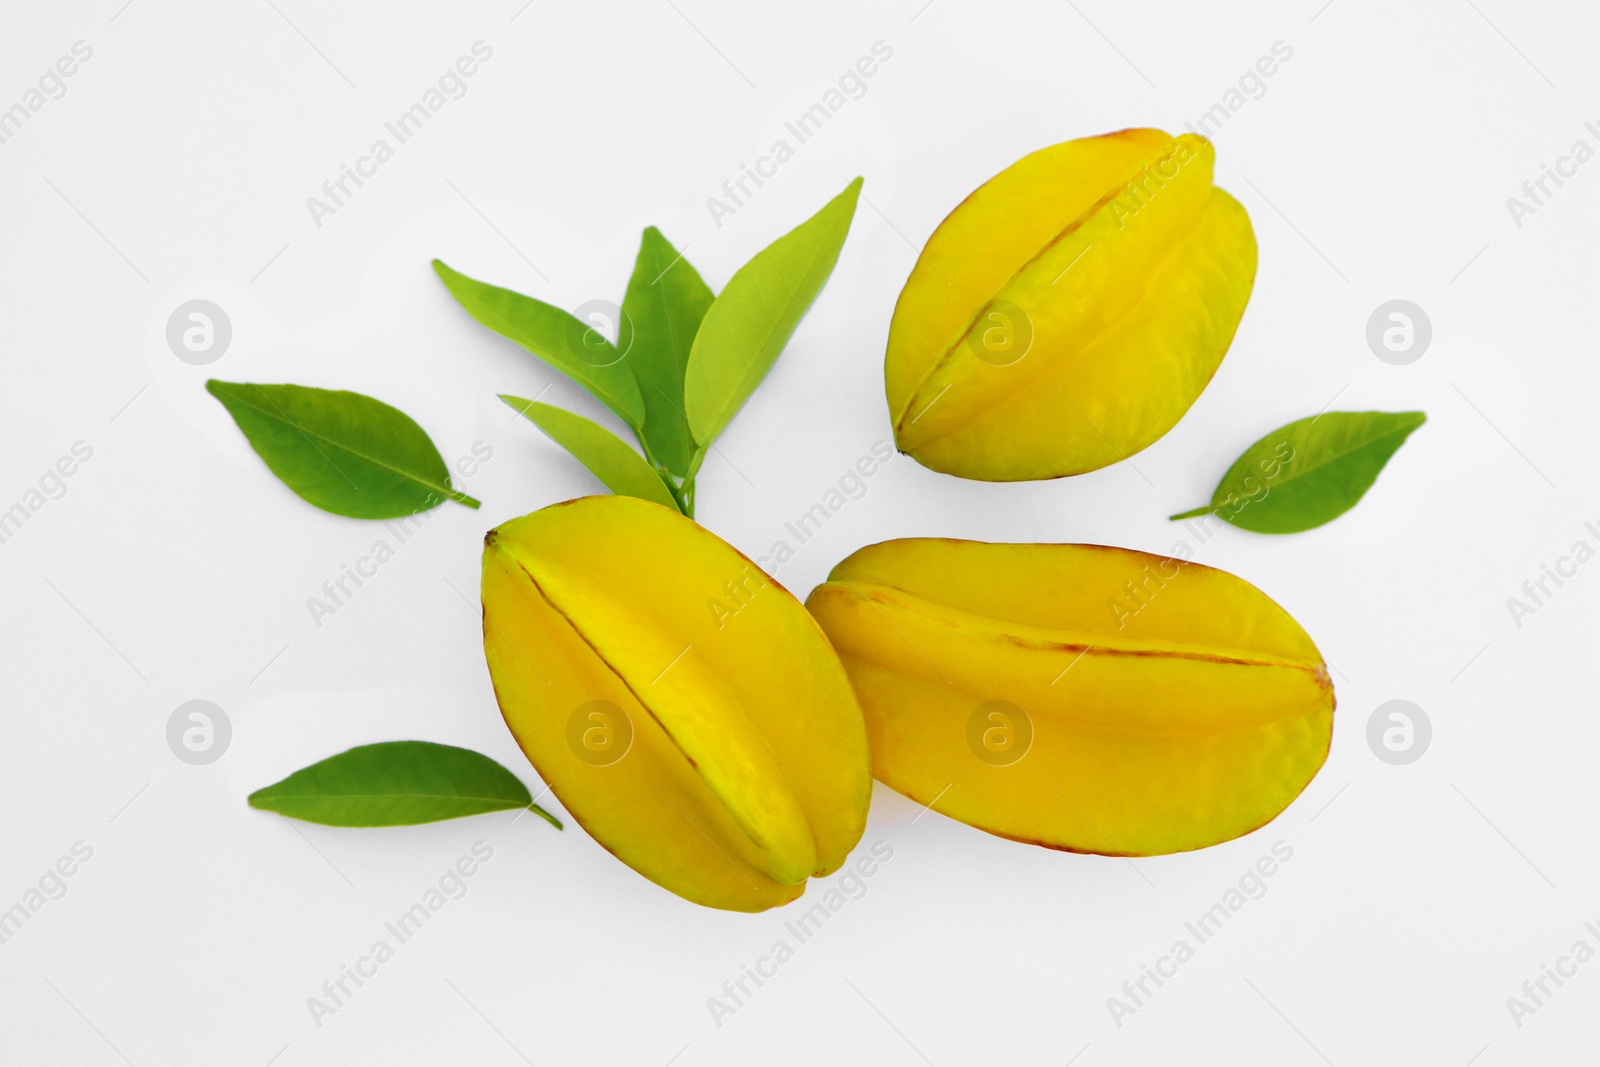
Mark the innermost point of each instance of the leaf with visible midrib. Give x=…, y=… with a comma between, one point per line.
x=343, y=452
x=608, y=457
x=662, y=311
x=758, y=311
x=397, y=783
x=558, y=338
x=1309, y=472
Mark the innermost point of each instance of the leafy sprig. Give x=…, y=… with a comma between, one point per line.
x=685, y=359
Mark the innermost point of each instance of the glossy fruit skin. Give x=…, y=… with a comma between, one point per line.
x=1070, y=310
x=1080, y=697
x=681, y=704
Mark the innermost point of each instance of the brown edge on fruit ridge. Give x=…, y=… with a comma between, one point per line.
x=1318, y=671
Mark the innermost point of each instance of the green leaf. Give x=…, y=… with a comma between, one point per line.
x=568, y=344
x=344, y=452
x=757, y=313
x=661, y=315
x=1309, y=472
x=397, y=783
x=607, y=456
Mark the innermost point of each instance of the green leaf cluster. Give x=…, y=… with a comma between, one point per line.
x=685, y=359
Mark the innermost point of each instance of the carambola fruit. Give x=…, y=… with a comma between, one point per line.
x=683, y=706
x=1070, y=310
x=1075, y=696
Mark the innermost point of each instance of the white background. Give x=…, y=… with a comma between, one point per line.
x=177, y=166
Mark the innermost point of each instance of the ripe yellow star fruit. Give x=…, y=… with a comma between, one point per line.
x=684, y=707
x=1079, y=697
x=1070, y=310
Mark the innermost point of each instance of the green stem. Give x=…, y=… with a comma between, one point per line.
x=1191, y=514
x=688, y=480
x=644, y=446
x=546, y=816
x=695, y=460
x=674, y=489
x=462, y=498
x=664, y=474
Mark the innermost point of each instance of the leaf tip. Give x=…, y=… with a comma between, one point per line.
x=516, y=403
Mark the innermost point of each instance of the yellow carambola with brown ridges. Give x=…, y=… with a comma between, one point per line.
x=741, y=766
x=1075, y=696
x=1070, y=310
